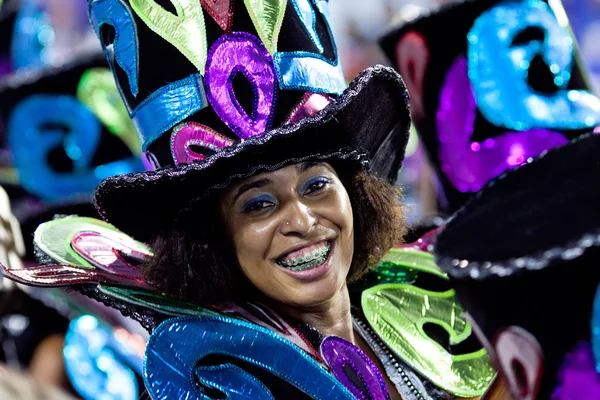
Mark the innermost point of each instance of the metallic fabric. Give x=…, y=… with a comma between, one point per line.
x=308, y=17
x=188, y=134
x=499, y=67
x=186, y=30
x=221, y=11
x=397, y=314
x=309, y=105
x=167, y=107
x=232, y=54
x=469, y=165
x=366, y=382
x=267, y=16
x=176, y=349
x=98, y=91
x=124, y=49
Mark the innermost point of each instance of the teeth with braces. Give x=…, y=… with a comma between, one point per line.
x=307, y=261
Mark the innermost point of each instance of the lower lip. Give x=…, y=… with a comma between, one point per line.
x=313, y=273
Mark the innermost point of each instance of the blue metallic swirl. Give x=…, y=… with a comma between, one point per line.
x=94, y=365
x=177, y=345
x=498, y=70
x=33, y=132
x=167, y=107
x=124, y=48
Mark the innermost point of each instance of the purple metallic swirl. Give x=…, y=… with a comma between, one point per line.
x=470, y=165
x=190, y=134
x=342, y=357
x=578, y=378
x=234, y=53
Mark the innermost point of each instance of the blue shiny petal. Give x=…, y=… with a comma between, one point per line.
x=124, y=48
x=167, y=107
x=178, y=345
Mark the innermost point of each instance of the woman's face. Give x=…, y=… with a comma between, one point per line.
x=292, y=231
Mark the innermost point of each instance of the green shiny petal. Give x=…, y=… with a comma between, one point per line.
x=154, y=301
x=398, y=312
x=267, y=16
x=97, y=89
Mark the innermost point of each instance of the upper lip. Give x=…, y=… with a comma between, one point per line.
x=302, y=246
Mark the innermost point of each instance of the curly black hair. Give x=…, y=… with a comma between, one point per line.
x=194, y=258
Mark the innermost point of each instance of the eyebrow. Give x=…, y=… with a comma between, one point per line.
x=252, y=185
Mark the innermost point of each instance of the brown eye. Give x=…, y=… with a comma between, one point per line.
x=315, y=185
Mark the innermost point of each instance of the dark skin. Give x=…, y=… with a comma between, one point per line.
x=283, y=215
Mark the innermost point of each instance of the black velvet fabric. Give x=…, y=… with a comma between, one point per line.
x=524, y=251
x=445, y=32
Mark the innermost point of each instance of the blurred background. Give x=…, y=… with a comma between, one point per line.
x=50, y=32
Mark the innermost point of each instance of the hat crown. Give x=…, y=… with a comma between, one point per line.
x=199, y=76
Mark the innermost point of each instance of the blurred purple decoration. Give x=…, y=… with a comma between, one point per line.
x=470, y=165
x=578, y=378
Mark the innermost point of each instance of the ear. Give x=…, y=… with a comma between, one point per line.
x=521, y=360
x=412, y=58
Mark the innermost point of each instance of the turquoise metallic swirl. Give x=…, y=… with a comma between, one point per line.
x=124, y=48
x=178, y=345
x=97, y=364
x=33, y=36
x=33, y=132
x=311, y=72
x=499, y=68
x=167, y=107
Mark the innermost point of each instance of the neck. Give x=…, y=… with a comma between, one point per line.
x=331, y=318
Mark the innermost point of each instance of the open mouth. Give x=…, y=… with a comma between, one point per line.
x=308, y=258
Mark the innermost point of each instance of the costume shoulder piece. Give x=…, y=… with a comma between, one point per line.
x=409, y=305
x=228, y=349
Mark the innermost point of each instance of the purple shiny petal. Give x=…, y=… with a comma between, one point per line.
x=241, y=53
x=342, y=356
x=470, y=165
x=578, y=378
x=190, y=134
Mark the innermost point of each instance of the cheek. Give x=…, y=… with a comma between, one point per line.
x=251, y=242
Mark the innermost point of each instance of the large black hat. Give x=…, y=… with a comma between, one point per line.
x=492, y=83
x=523, y=256
x=222, y=89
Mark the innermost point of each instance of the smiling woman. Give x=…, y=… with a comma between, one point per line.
x=294, y=236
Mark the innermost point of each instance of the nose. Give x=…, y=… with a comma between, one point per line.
x=298, y=219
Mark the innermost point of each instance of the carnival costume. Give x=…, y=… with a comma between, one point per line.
x=528, y=275
x=218, y=91
x=498, y=81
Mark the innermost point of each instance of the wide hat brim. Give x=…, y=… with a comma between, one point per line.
x=369, y=121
